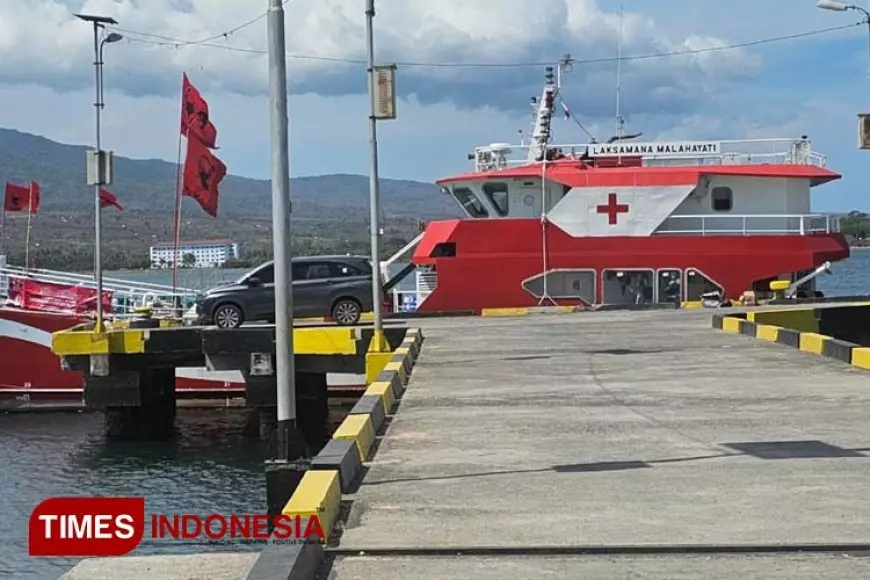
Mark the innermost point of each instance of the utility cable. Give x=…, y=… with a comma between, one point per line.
x=202, y=41
x=160, y=40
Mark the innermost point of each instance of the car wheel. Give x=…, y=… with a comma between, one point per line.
x=346, y=312
x=228, y=316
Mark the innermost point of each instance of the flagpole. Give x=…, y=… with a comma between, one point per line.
x=177, y=233
x=27, y=235
x=3, y=229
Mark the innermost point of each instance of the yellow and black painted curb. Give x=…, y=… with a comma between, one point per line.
x=336, y=469
x=805, y=338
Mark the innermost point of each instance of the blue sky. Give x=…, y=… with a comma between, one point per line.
x=813, y=86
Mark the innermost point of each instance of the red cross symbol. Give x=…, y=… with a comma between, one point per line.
x=612, y=208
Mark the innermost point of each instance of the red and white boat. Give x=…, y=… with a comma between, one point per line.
x=40, y=302
x=615, y=223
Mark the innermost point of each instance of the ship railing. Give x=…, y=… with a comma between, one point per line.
x=127, y=296
x=733, y=152
x=750, y=225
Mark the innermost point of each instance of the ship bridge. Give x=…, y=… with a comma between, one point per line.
x=747, y=187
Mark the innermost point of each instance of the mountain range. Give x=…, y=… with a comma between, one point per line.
x=149, y=185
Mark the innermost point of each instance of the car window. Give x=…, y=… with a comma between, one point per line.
x=266, y=274
x=323, y=270
x=300, y=271
x=318, y=271
x=343, y=270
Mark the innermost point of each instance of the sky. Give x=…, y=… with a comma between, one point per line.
x=815, y=85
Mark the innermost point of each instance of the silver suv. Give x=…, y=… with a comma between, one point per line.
x=339, y=287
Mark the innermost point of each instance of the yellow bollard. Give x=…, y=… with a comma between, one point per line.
x=778, y=287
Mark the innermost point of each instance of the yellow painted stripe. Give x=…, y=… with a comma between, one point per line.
x=383, y=390
x=692, y=305
x=407, y=358
x=750, y=316
x=812, y=342
x=337, y=340
x=85, y=342
x=318, y=494
x=359, y=429
x=313, y=341
x=375, y=363
x=504, y=311
x=767, y=332
x=398, y=368
x=731, y=324
x=861, y=358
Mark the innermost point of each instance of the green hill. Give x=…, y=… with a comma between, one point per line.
x=330, y=212
x=150, y=185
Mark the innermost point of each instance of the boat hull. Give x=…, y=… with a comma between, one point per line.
x=487, y=262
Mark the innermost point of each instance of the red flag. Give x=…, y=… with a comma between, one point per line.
x=108, y=199
x=34, y=196
x=203, y=173
x=194, y=116
x=21, y=198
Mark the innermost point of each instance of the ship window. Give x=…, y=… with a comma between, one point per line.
x=498, y=195
x=627, y=286
x=697, y=284
x=564, y=284
x=469, y=202
x=722, y=198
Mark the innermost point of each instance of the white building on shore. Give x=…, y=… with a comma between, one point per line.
x=196, y=254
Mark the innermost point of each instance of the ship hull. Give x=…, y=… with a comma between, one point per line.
x=29, y=371
x=481, y=264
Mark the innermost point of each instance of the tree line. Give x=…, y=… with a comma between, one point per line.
x=81, y=259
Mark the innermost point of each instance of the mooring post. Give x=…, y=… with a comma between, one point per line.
x=285, y=469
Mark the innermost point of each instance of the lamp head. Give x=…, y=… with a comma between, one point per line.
x=113, y=37
x=833, y=5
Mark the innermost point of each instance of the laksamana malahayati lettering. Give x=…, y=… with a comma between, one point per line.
x=680, y=148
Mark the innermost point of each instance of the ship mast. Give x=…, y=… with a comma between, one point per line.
x=544, y=120
x=620, y=122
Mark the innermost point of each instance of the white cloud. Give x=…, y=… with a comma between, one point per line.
x=42, y=43
x=327, y=134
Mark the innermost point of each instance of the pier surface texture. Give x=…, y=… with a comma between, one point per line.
x=620, y=432
x=602, y=445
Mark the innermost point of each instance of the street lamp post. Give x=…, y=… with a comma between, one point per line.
x=843, y=7
x=99, y=170
x=382, y=103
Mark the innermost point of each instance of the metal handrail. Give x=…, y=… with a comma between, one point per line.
x=85, y=279
x=806, y=224
x=736, y=151
x=128, y=296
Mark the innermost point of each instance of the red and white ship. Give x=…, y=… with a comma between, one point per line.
x=616, y=223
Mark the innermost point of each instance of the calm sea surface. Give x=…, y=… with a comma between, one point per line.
x=212, y=466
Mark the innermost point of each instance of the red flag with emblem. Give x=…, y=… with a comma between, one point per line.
x=21, y=197
x=203, y=173
x=195, y=123
x=108, y=199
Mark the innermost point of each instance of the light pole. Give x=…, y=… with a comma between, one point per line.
x=382, y=97
x=843, y=7
x=374, y=186
x=290, y=443
x=99, y=173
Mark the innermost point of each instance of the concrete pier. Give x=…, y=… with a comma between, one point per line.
x=612, y=431
x=590, y=445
